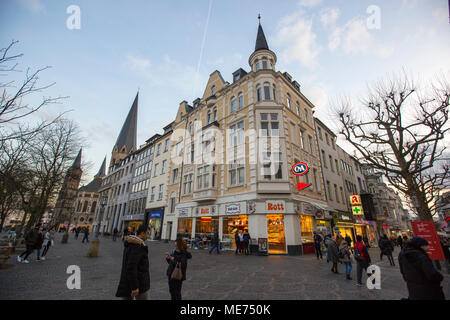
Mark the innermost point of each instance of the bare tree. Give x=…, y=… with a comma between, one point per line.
x=12, y=95
x=400, y=131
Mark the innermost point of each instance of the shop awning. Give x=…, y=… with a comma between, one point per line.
x=320, y=206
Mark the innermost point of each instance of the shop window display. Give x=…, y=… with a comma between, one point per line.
x=185, y=227
x=230, y=226
x=306, y=223
x=276, y=236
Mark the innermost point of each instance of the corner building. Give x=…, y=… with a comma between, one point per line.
x=254, y=130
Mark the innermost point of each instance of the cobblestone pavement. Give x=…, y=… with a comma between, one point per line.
x=219, y=277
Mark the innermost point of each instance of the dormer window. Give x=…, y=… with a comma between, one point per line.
x=213, y=90
x=264, y=64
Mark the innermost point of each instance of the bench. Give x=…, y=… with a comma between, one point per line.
x=5, y=253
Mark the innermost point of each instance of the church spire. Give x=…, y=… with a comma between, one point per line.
x=102, y=171
x=128, y=135
x=261, y=42
x=77, y=163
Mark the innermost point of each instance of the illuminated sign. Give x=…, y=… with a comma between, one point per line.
x=357, y=210
x=355, y=200
x=300, y=169
x=277, y=206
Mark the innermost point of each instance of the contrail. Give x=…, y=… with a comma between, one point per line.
x=202, y=47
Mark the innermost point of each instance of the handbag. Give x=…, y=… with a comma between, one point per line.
x=177, y=273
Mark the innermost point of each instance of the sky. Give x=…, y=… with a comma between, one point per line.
x=168, y=49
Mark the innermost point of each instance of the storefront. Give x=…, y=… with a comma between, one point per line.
x=132, y=226
x=230, y=226
x=345, y=226
x=155, y=223
x=275, y=234
x=307, y=227
x=365, y=228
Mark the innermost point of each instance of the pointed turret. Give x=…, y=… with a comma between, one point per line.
x=261, y=42
x=102, y=171
x=77, y=163
x=127, y=136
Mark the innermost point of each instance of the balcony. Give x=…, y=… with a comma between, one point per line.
x=205, y=195
x=211, y=100
x=274, y=187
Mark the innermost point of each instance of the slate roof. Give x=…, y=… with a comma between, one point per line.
x=261, y=43
x=128, y=134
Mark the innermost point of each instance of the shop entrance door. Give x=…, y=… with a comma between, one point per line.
x=275, y=232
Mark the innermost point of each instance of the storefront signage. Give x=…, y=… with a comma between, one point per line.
x=133, y=217
x=276, y=206
x=344, y=217
x=204, y=211
x=183, y=212
x=233, y=209
x=319, y=214
x=307, y=208
x=427, y=230
x=355, y=200
x=300, y=169
x=357, y=210
x=364, y=222
x=156, y=214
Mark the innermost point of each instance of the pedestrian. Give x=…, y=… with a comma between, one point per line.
x=241, y=242
x=333, y=254
x=386, y=249
x=31, y=238
x=362, y=259
x=237, y=240
x=326, y=240
x=135, y=275
x=247, y=238
x=366, y=241
x=405, y=240
x=39, y=243
x=422, y=279
x=115, y=231
x=400, y=241
x=48, y=241
x=86, y=235
x=344, y=256
x=348, y=240
x=317, y=245
x=215, y=241
x=177, y=259
x=77, y=232
x=125, y=233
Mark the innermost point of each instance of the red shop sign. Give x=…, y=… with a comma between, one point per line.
x=427, y=230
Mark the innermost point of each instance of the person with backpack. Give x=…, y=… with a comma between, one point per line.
x=317, y=245
x=386, y=249
x=422, y=279
x=176, y=271
x=135, y=275
x=362, y=259
x=345, y=257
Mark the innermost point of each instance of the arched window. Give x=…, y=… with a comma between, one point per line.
x=288, y=101
x=241, y=101
x=85, y=206
x=213, y=90
x=264, y=64
x=259, y=93
x=233, y=105
x=299, y=110
x=94, y=205
x=266, y=91
x=257, y=66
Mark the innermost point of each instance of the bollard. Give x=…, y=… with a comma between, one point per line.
x=65, y=238
x=93, y=249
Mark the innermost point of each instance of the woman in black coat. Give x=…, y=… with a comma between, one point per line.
x=386, y=249
x=422, y=279
x=135, y=275
x=179, y=255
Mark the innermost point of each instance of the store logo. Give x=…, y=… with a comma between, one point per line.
x=300, y=169
x=233, y=208
x=275, y=206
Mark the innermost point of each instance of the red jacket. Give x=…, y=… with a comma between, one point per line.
x=360, y=246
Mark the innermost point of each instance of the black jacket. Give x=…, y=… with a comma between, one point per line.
x=246, y=237
x=181, y=257
x=386, y=246
x=32, y=238
x=135, y=268
x=422, y=279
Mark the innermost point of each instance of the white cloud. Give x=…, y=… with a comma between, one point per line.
x=137, y=63
x=329, y=16
x=318, y=96
x=309, y=3
x=297, y=40
x=357, y=38
x=34, y=5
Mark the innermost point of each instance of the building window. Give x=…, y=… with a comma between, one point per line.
x=158, y=150
x=264, y=64
x=320, y=134
x=187, y=185
x=233, y=105
x=336, y=193
x=155, y=173
x=237, y=134
x=269, y=124
x=272, y=163
x=259, y=93
x=215, y=114
x=213, y=90
x=324, y=159
x=274, y=95
x=160, y=193
x=203, y=177
x=175, y=175
x=236, y=173
x=163, y=167
x=166, y=145
x=172, y=204
x=266, y=91
x=241, y=101
x=311, y=145
x=329, y=191
x=306, y=116
x=299, y=110
x=302, y=139
x=316, y=183
x=327, y=139
x=331, y=163
x=208, y=118
x=288, y=101
x=152, y=194
x=337, y=166
x=257, y=66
